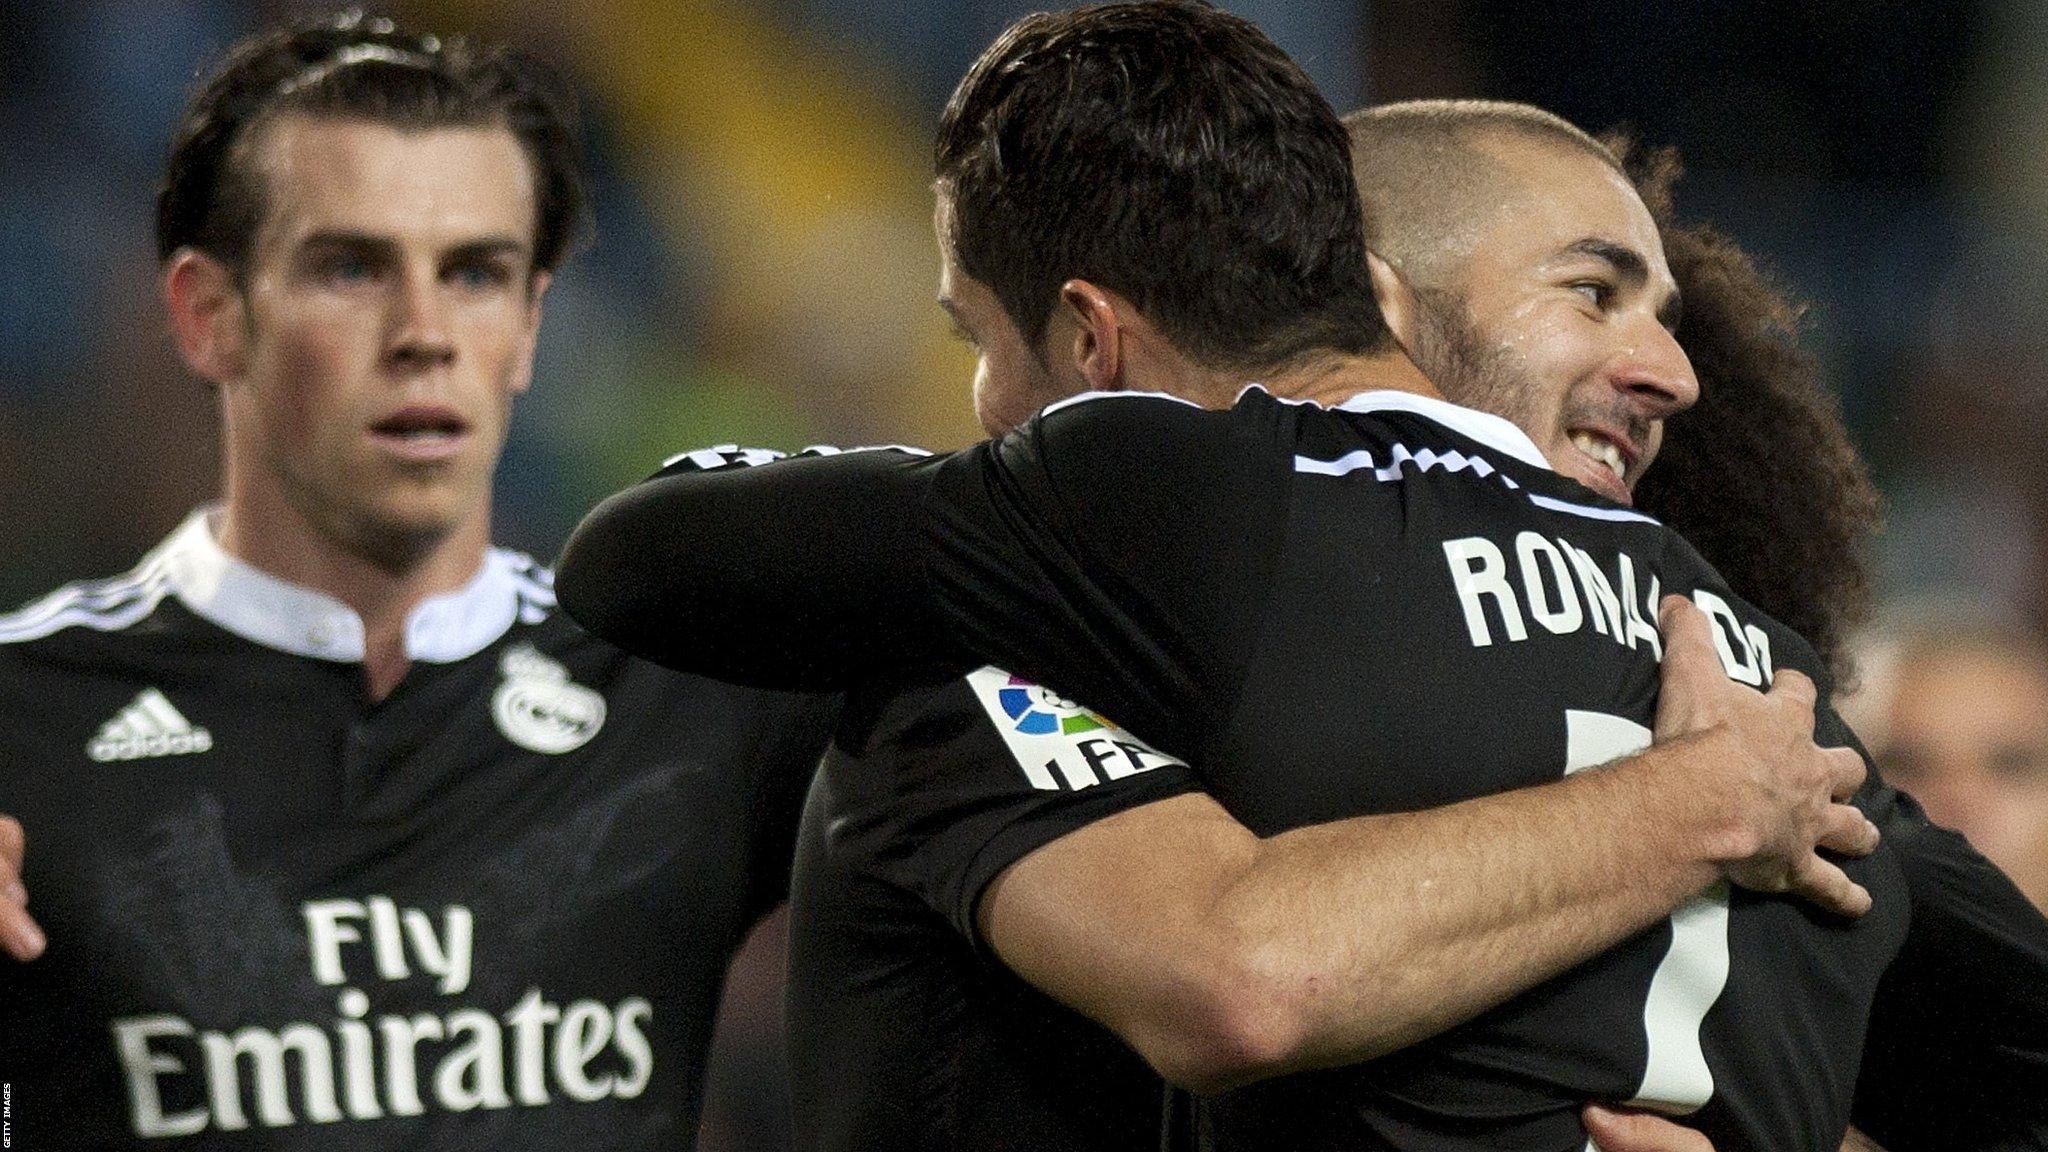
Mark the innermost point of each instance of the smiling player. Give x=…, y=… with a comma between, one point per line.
x=1390, y=605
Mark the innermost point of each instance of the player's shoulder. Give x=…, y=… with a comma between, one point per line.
x=1398, y=429
x=732, y=457
x=1127, y=444
x=993, y=725
x=1132, y=416
x=532, y=584
x=88, y=611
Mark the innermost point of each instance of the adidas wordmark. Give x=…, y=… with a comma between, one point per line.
x=149, y=726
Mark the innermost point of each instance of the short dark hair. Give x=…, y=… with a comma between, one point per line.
x=1172, y=154
x=357, y=68
x=1427, y=169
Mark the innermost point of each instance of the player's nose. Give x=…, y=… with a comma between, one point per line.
x=421, y=330
x=1655, y=373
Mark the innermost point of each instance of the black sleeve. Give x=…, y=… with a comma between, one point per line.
x=961, y=780
x=1113, y=547
x=1957, y=1054
x=800, y=728
x=786, y=574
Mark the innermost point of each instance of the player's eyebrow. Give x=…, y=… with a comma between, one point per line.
x=384, y=247
x=1631, y=268
x=488, y=247
x=362, y=242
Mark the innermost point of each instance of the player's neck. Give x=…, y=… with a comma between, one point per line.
x=1331, y=382
x=276, y=538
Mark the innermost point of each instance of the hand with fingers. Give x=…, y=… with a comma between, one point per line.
x=1617, y=1130
x=19, y=934
x=1772, y=799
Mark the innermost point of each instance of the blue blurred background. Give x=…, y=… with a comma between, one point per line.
x=763, y=269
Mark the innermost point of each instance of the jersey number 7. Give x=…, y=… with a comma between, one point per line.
x=1695, y=969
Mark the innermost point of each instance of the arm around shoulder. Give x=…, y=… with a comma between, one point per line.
x=1225, y=959
x=790, y=574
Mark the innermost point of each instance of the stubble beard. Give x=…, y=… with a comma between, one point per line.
x=1465, y=368
x=1477, y=374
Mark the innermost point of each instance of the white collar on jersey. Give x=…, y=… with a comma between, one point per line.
x=276, y=613
x=1490, y=430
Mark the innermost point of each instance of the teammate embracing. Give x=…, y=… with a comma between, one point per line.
x=1376, y=629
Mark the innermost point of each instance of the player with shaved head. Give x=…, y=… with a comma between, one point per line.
x=1388, y=605
x=1759, y=474
x=1458, y=201
x=1317, y=608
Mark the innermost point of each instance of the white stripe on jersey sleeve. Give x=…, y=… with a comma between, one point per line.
x=720, y=455
x=73, y=605
x=1618, y=515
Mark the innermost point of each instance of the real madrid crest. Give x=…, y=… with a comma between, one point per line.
x=539, y=708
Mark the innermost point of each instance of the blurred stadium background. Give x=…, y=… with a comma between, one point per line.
x=763, y=268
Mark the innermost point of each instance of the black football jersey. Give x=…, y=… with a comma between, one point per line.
x=492, y=910
x=903, y=1034
x=1385, y=606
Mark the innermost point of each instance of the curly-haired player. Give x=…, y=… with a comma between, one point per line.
x=1357, y=611
x=1760, y=475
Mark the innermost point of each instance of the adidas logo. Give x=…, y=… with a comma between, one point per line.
x=148, y=726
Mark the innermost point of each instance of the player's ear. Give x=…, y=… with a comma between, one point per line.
x=1396, y=300
x=208, y=315
x=1097, y=350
